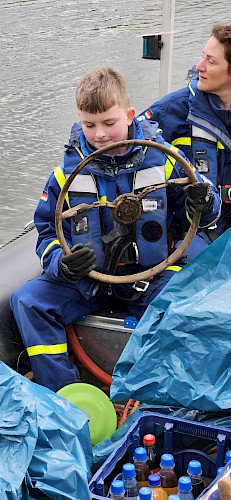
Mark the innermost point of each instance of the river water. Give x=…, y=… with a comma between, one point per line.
x=46, y=46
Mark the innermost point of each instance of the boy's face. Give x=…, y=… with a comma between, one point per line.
x=102, y=129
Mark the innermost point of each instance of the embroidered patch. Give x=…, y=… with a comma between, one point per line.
x=44, y=196
x=148, y=113
x=80, y=224
x=202, y=165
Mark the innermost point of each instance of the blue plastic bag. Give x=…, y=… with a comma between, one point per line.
x=180, y=352
x=45, y=445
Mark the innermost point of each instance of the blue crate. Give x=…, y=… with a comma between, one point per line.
x=171, y=432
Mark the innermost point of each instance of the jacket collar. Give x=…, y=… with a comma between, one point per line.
x=206, y=106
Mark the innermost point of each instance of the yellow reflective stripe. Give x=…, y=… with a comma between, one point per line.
x=173, y=268
x=169, y=164
x=188, y=217
x=103, y=198
x=207, y=225
x=184, y=141
x=61, y=179
x=55, y=242
x=80, y=153
x=187, y=141
x=46, y=349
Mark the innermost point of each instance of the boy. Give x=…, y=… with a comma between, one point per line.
x=64, y=293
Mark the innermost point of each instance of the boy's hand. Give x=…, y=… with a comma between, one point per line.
x=79, y=263
x=199, y=196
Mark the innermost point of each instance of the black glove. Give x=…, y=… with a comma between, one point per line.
x=78, y=264
x=199, y=197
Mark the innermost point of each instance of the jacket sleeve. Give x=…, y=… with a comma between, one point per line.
x=48, y=247
x=177, y=196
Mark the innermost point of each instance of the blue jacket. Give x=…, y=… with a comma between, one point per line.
x=113, y=176
x=208, y=146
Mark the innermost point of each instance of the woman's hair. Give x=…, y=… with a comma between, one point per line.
x=222, y=32
x=100, y=89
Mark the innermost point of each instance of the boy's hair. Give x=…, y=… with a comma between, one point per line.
x=222, y=32
x=100, y=89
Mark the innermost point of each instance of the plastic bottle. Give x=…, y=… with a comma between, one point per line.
x=195, y=473
x=145, y=493
x=173, y=497
x=149, y=442
x=158, y=493
x=167, y=473
x=220, y=470
x=141, y=466
x=130, y=482
x=227, y=456
x=117, y=490
x=185, y=488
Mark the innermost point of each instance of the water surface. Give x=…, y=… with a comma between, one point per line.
x=46, y=46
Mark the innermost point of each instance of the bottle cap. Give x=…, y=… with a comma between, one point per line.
x=167, y=460
x=140, y=453
x=128, y=470
x=149, y=439
x=154, y=480
x=145, y=493
x=227, y=456
x=117, y=487
x=184, y=484
x=220, y=470
x=194, y=467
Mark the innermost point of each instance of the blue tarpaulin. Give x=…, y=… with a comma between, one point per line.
x=45, y=444
x=180, y=352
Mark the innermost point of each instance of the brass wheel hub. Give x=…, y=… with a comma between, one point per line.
x=127, y=209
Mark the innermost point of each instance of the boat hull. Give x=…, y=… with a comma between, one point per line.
x=18, y=264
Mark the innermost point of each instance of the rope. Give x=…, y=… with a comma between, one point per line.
x=26, y=230
x=123, y=413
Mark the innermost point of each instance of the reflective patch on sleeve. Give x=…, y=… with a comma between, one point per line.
x=46, y=349
x=54, y=242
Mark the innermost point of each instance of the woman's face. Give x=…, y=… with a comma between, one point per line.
x=214, y=76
